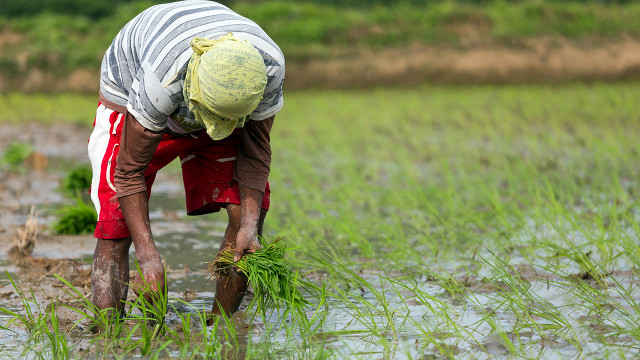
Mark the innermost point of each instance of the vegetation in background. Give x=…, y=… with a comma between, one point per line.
x=87, y=8
x=15, y=155
x=78, y=180
x=55, y=108
x=64, y=38
x=76, y=219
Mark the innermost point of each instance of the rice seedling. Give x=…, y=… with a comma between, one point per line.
x=15, y=155
x=42, y=325
x=76, y=219
x=274, y=283
x=183, y=336
x=209, y=345
x=57, y=339
x=438, y=321
x=504, y=228
x=77, y=181
x=32, y=320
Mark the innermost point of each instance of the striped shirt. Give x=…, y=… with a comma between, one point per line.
x=145, y=66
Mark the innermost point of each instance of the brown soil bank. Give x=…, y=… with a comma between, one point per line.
x=545, y=60
x=541, y=60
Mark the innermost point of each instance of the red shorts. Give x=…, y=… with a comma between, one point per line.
x=207, y=171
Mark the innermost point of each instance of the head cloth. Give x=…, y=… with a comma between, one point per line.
x=225, y=81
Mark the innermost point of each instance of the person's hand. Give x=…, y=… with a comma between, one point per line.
x=246, y=242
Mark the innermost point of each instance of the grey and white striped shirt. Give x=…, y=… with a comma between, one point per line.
x=145, y=66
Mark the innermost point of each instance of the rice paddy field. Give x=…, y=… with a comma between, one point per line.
x=433, y=222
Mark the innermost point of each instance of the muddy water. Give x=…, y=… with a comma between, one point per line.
x=185, y=243
x=474, y=324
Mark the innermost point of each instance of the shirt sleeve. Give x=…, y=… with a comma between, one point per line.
x=253, y=161
x=137, y=145
x=149, y=101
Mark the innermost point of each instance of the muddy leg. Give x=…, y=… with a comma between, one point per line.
x=110, y=273
x=230, y=290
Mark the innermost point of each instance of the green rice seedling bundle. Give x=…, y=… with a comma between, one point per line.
x=274, y=281
x=76, y=219
x=16, y=154
x=78, y=180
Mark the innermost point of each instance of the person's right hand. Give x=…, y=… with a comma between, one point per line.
x=152, y=280
x=246, y=242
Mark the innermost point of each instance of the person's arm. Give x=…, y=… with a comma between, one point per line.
x=253, y=163
x=137, y=145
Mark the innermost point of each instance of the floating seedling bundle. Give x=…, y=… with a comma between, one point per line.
x=276, y=284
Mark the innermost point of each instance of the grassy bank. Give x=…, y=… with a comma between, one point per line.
x=61, y=43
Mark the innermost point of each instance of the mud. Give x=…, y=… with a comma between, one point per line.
x=49, y=256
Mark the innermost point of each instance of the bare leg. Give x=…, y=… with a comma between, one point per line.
x=230, y=290
x=110, y=273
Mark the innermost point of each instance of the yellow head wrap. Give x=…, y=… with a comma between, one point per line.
x=224, y=83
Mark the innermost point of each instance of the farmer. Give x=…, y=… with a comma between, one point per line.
x=197, y=81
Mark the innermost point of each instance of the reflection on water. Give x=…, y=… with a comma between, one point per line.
x=10, y=341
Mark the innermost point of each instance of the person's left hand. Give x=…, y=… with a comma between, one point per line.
x=246, y=242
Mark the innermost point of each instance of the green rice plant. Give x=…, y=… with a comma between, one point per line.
x=151, y=331
x=182, y=341
x=33, y=319
x=57, y=339
x=274, y=282
x=368, y=303
x=438, y=315
x=107, y=323
x=229, y=329
x=630, y=312
x=497, y=330
x=152, y=305
x=76, y=219
x=36, y=321
x=148, y=335
x=189, y=343
x=596, y=301
x=209, y=345
x=15, y=155
x=590, y=269
x=78, y=180
x=529, y=309
x=437, y=324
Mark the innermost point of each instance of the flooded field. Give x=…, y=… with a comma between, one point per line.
x=472, y=223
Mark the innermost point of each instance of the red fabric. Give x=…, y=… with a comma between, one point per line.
x=207, y=172
x=110, y=221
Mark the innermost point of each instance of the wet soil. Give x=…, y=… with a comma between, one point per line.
x=36, y=187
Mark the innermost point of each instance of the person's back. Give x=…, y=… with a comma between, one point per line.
x=152, y=51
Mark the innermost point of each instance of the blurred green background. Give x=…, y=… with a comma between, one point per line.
x=57, y=37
